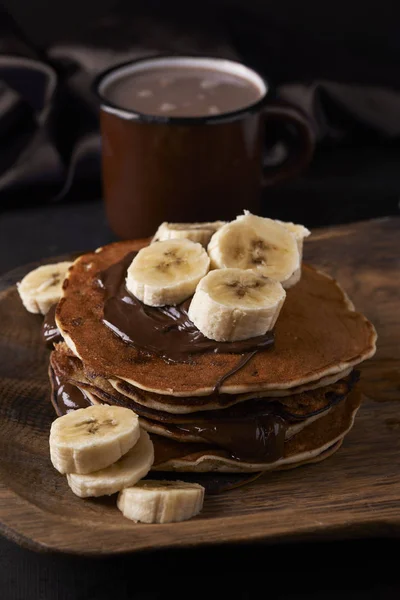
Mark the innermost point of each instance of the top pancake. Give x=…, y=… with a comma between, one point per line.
x=318, y=333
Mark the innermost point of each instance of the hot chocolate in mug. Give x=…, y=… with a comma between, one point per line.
x=185, y=139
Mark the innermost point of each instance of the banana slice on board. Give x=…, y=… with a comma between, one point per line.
x=167, y=272
x=161, y=501
x=234, y=304
x=127, y=471
x=92, y=438
x=252, y=242
x=196, y=232
x=42, y=287
x=300, y=233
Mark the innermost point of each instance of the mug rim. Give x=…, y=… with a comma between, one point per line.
x=137, y=116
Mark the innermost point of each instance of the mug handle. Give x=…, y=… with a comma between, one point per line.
x=294, y=143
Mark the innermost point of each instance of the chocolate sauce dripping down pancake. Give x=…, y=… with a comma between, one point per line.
x=66, y=396
x=313, y=441
x=50, y=333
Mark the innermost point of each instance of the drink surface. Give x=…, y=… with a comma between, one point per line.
x=183, y=91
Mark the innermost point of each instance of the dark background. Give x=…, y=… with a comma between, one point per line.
x=354, y=175
x=354, y=570
x=352, y=179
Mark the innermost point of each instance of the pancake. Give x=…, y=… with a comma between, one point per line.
x=318, y=334
x=219, y=465
x=298, y=406
x=215, y=401
x=70, y=368
x=171, y=408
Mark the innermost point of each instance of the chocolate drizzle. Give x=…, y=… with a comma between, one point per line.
x=166, y=331
x=50, y=333
x=66, y=396
x=259, y=438
x=243, y=361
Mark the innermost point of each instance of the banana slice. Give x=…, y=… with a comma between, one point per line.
x=167, y=272
x=233, y=304
x=252, y=242
x=196, y=232
x=300, y=233
x=42, y=287
x=92, y=438
x=127, y=471
x=161, y=501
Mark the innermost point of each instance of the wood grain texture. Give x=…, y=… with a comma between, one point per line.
x=354, y=493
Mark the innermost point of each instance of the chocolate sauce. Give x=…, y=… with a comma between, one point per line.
x=67, y=397
x=243, y=361
x=166, y=331
x=50, y=333
x=166, y=449
x=255, y=439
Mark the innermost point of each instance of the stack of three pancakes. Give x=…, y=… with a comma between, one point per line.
x=207, y=409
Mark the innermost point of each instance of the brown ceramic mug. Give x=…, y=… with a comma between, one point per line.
x=160, y=168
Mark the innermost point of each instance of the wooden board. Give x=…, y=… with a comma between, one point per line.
x=354, y=493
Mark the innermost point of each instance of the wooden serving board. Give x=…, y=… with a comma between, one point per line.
x=354, y=493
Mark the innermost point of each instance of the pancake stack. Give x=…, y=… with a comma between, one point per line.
x=272, y=401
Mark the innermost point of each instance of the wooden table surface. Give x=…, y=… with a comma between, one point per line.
x=365, y=258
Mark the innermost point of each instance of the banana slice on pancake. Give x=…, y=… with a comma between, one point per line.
x=161, y=501
x=235, y=304
x=127, y=471
x=300, y=233
x=196, y=232
x=257, y=243
x=42, y=287
x=92, y=438
x=167, y=272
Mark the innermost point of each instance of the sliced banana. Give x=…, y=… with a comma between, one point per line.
x=234, y=304
x=252, y=242
x=167, y=272
x=92, y=438
x=300, y=233
x=196, y=232
x=161, y=501
x=42, y=287
x=127, y=471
